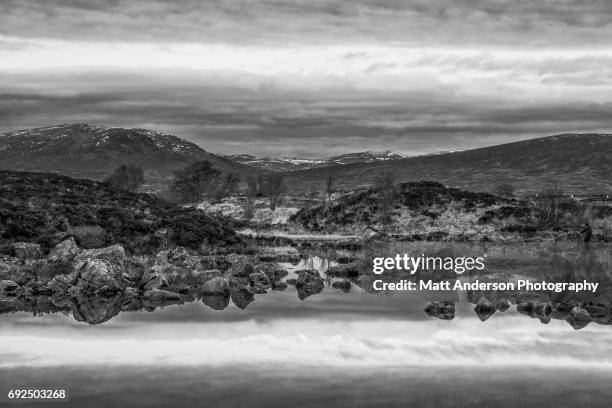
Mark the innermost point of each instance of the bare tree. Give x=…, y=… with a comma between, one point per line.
x=228, y=186
x=127, y=177
x=387, y=194
x=194, y=180
x=329, y=187
x=547, y=209
x=275, y=187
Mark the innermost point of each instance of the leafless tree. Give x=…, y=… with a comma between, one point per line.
x=127, y=177
x=194, y=180
x=386, y=189
x=275, y=187
x=330, y=188
x=228, y=185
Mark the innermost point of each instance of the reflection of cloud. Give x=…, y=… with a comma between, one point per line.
x=323, y=341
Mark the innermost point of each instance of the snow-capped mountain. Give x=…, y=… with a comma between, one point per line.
x=94, y=151
x=281, y=164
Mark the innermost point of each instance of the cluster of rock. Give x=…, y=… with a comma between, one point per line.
x=97, y=284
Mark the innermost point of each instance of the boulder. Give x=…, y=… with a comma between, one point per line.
x=441, y=310
x=115, y=254
x=343, y=285
x=279, y=286
x=153, y=279
x=27, y=250
x=64, y=252
x=199, y=277
x=8, y=287
x=216, y=286
x=96, y=274
x=273, y=271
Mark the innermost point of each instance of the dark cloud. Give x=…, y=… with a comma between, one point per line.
x=517, y=22
x=286, y=122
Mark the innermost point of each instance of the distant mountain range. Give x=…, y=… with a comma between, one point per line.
x=575, y=163
x=82, y=150
x=284, y=164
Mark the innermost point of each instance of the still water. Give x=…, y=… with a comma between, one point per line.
x=354, y=349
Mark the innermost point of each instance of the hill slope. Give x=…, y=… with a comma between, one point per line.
x=577, y=163
x=89, y=151
x=45, y=207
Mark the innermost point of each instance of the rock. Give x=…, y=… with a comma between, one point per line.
x=153, y=279
x=258, y=282
x=441, y=310
x=484, y=309
x=27, y=250
x=344, y=285
x=350, y=270
x=95, y=274
x=216, y=286
x=178, y=257
x=8, y=287
x=199, y=277
x=237, y=259
x=308, y=283
x=64, y=252
x=242, y=269
x=115, y=254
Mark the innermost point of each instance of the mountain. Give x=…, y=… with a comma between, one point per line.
x=576, y=163
x=83, y=150
x=283, y=164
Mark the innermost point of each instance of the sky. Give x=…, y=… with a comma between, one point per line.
x=311, y=78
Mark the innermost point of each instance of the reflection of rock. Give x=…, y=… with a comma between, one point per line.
x=279, y=286
x=308, y=283
x=562, y=311
x=273, y=271
x=441, y=310
x=350, y=270
x=96, y=310
x=600, y=310
x=536, y=309
x=64, y=252
x=484, y=309
x=258, y=282
x=240, y=296
x=216, y=302
x=161, y=297
x=579, y=318
x=291, y=281
x=114, y=254
x=27, y=250
x=344, y=285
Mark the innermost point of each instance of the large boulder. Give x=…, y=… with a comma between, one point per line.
x=64, y=252
x=115, y=254
x=216, y=286
x=27, y=250
x=97, y=275
x=153, y=279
